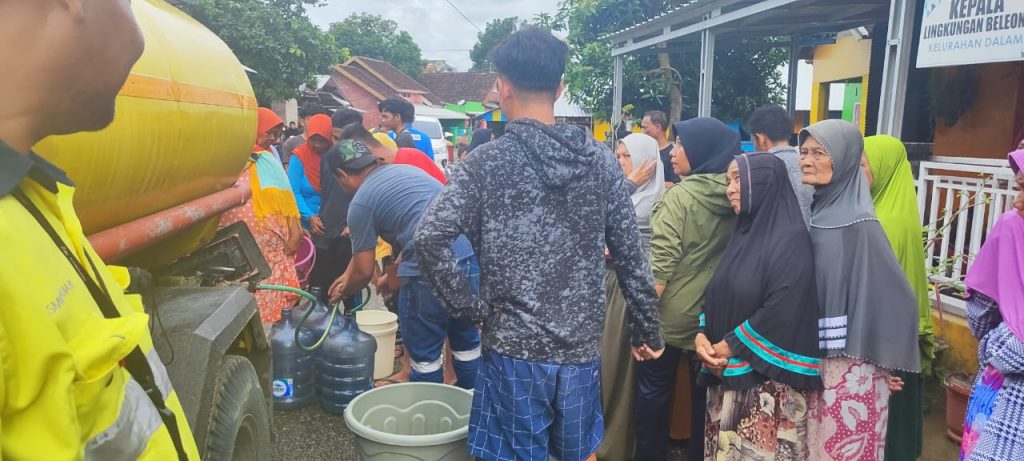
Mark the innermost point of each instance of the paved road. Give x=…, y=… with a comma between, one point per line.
x=309, y=434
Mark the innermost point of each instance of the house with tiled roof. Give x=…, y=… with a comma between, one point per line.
x=465, y=87
x=365, y=82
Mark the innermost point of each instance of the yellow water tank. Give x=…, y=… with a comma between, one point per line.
x=185, y=125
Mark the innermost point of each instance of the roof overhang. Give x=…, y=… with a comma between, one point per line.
x=439, y=113
x=736, y=20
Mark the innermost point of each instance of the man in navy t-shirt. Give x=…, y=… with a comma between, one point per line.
x=387, y=202
x=397, y=115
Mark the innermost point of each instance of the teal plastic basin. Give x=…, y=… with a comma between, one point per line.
x=411, y=422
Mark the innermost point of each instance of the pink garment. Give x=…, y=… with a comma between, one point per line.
x=998, y=270
x=271, y=236
x=848, y=420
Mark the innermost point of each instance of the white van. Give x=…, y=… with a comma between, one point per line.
x=432, y=128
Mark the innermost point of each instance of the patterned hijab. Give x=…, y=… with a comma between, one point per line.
x=644, y=148
x=998, y=270
x=868, y=310
x=762, y=299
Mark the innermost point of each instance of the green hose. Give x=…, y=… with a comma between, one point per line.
x=304, y=294
x=330, y=321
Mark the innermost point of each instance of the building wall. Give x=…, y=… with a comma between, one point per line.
x=848, y=59
x=987, y=130
x=601, y=128
x=962, y=355
x=287, y=110
x=360, y=99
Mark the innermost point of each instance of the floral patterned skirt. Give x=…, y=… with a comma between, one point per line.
x=848, y=420
x=271, y=237
x=767, y=422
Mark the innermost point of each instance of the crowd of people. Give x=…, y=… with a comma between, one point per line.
x=582, y=291
x=578, y=288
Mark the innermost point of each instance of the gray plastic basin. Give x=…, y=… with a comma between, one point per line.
x=411, y=422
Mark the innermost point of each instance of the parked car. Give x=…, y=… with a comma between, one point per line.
x=432, y=128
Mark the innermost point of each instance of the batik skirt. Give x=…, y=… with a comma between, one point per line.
x=764, y=423
x=848, y=420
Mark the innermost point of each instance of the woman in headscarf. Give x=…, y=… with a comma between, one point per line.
x=304, y=170
x=690, y=229
x=636, y=153
x=480, y=136
x=759, y=342
x=271, y=215
x=895, y=198
x=868, y=319
x=995, y=312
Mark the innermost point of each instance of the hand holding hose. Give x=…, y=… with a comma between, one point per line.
x=337, y=287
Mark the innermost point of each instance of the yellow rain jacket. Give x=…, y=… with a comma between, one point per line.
x=64, y=392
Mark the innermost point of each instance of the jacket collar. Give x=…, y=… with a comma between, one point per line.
x=14, y=167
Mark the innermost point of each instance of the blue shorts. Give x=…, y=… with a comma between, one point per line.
x=529, y=411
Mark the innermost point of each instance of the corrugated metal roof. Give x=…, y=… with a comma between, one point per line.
x=439, y=113
x=740, y=19
x=692, y=4
x=321, y=80
x=565, y=108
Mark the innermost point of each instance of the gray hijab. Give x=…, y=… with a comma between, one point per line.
x=847, y=199
x=868, y=310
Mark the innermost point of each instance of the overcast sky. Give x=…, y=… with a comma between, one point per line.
x=435, y=26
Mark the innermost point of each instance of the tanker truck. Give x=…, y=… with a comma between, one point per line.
x=150, y=189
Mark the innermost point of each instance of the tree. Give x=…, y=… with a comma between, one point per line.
x=273, y=37
x=374, y=37
x=745, y=77
x=498, y=30
x=494, y=32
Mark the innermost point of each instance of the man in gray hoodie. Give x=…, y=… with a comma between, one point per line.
x=540, y=205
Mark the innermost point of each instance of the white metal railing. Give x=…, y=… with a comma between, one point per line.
x=960, y=199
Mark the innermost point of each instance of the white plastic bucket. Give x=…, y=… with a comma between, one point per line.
x=383, y=326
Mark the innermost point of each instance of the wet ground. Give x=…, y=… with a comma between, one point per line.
x=310, y=434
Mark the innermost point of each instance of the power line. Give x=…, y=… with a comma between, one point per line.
x=457, y=10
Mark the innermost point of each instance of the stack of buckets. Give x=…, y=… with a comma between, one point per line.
x=342, y=366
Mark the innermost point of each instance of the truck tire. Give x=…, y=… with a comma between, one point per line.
x=239, y=419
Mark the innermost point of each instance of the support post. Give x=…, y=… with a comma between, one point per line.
x=616, y=96
x=707, y=67
x=897, y=65
x=794, y=62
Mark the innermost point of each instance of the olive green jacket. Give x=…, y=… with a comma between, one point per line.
x=691, y=226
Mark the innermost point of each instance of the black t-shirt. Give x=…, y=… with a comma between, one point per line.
x=333, y=206
x=666, y=158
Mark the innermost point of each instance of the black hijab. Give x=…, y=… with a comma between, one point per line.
x=763, y=299
x=709, y=144
x=480, y=136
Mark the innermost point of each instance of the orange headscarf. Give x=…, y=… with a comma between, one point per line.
x=268, y=120
x=317, y=125
x=271, y=194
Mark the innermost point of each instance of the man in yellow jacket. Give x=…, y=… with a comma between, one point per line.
x=79, y=378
